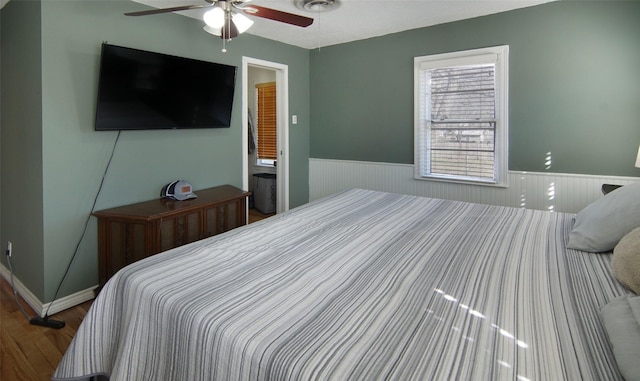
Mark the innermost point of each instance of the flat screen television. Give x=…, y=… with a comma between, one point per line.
x=141, y=90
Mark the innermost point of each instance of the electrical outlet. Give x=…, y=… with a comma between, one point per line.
x=9, y=248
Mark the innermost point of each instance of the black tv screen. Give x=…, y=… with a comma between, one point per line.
x=139, y=90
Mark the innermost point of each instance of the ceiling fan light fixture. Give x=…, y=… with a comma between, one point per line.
x=214, y=31
x=317, y=5
x=215, y=17
x=242, y=22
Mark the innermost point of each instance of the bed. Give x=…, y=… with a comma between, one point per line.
x=361, y=285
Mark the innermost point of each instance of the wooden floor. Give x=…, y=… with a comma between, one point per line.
x=32, y=353
x=255, y=215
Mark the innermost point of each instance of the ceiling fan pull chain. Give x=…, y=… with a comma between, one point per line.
x=225, y=33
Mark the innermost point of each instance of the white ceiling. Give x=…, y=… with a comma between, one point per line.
x=358, y=19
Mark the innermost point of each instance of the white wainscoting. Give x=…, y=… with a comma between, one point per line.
x=533, y=190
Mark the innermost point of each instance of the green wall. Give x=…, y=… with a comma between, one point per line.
x=73, y=156
x=574, y=93
x=21, y=138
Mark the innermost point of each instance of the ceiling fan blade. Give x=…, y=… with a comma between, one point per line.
x=166, y=10
x=272, y=14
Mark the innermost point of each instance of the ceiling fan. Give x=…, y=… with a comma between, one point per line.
x=226, y=18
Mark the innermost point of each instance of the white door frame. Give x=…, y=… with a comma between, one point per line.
x=282, y=112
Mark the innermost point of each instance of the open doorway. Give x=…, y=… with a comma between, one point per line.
x=265, y=172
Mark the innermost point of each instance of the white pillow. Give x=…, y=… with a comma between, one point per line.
x=623, y=328
x=599, y=226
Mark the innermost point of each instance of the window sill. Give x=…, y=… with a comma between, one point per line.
x=453, y=180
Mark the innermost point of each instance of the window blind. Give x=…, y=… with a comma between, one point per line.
x=462, y=121
x=267, y=121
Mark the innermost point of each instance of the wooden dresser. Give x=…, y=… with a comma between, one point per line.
x=132, y=232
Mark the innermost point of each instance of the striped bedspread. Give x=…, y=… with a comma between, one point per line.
x=361, y=285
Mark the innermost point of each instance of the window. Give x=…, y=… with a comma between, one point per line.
x=266, y=131
x=461, y=116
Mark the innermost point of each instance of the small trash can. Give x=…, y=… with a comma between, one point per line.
x=264, y=192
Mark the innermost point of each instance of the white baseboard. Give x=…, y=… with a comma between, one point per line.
x=52, y=307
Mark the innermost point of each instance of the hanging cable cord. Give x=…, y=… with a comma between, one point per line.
x=13, y=286
x=45, y=321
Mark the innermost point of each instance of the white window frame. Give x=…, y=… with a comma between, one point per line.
x=498, y=55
